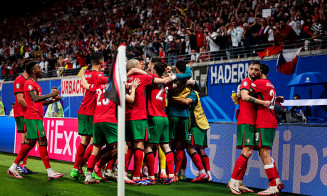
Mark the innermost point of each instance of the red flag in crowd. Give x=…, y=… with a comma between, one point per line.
x=270, y=51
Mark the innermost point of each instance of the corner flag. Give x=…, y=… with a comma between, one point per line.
x=116, y=75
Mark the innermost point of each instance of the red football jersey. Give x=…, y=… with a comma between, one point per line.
x=156, y=99
x=247, y=113
x=19, y=110
x=105, y=110
x=34, y=109
x=89, y=100
x=137, y=110
x=265, y=90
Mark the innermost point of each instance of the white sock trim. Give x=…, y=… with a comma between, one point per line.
x=269, y=166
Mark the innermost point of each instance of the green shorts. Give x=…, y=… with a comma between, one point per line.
x=245, y=136
x=264, y=138
x=197, y=137
x=136, y=130
x=178, y=128
x=105, y=133
x=35, y=129
x=21, y=128
x=85, y=124
x=158, y=129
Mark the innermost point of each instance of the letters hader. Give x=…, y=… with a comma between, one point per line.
x=228, y=73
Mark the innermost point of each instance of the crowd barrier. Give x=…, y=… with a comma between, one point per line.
x=300, y=153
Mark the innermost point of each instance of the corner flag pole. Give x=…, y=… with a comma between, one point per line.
x=121, y=122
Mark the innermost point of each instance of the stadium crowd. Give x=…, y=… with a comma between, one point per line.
x=63, y=34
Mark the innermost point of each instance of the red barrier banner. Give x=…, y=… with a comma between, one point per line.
x=63, y=139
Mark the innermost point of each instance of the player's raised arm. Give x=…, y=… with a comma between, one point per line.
x=136, y=71
x=85, y=84
x=164, y=80
x=131, y=97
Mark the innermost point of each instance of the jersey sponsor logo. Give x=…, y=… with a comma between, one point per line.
x=30, y=87
x=17, y=85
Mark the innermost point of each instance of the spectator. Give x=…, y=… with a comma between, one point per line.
x=54, y=109
x=2, y=108
x=171, y=50
x=235, y=32
x=302, y=110
x=12, y=109
x=211, y=38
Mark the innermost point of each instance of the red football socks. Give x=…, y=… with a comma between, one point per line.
x=270, y=171
x=150, y=160
x=87, y=154
x=138, y=159
x=197, y=161
x=25, y=158
x=79, y=155
x=91, y=163
x=240, y=165
x=170, y=162
x=178, y=159
x=128, y=157
x=184, y=162
x=111, y=163
x=44, y=156
x=24, y=150
x=276, y=171
x=205, y=162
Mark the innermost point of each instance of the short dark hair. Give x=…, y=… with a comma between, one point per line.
x=264, y=68
x=30, y=66
x=298, y=96
x=25, y=63
x=96, y=57
x=54, y=87
x=255, y=63
x=181, y=65
x=160, y=68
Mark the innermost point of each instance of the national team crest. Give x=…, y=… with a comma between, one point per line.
x=245, y=83
x=17, y=85
x=30, y=87
x=248, y=140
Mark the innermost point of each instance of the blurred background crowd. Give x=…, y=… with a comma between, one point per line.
x=61, y=35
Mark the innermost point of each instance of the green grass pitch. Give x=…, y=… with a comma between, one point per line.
x=38, y=184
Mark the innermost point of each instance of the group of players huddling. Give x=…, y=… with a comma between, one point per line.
x=163, y=114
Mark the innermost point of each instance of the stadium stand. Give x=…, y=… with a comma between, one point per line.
x=196, y=31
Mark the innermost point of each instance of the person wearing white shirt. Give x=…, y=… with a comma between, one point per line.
x=235, y=32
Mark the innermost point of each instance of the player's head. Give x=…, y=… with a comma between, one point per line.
x=169, y=69
x=133, y=63
x=159, y=68
x=153, y=60
x=264, y=69
x=296, y=97
x=97, y=58
x=25, y=63
x=180, y=66
x=33, y=68
x=254, y=70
